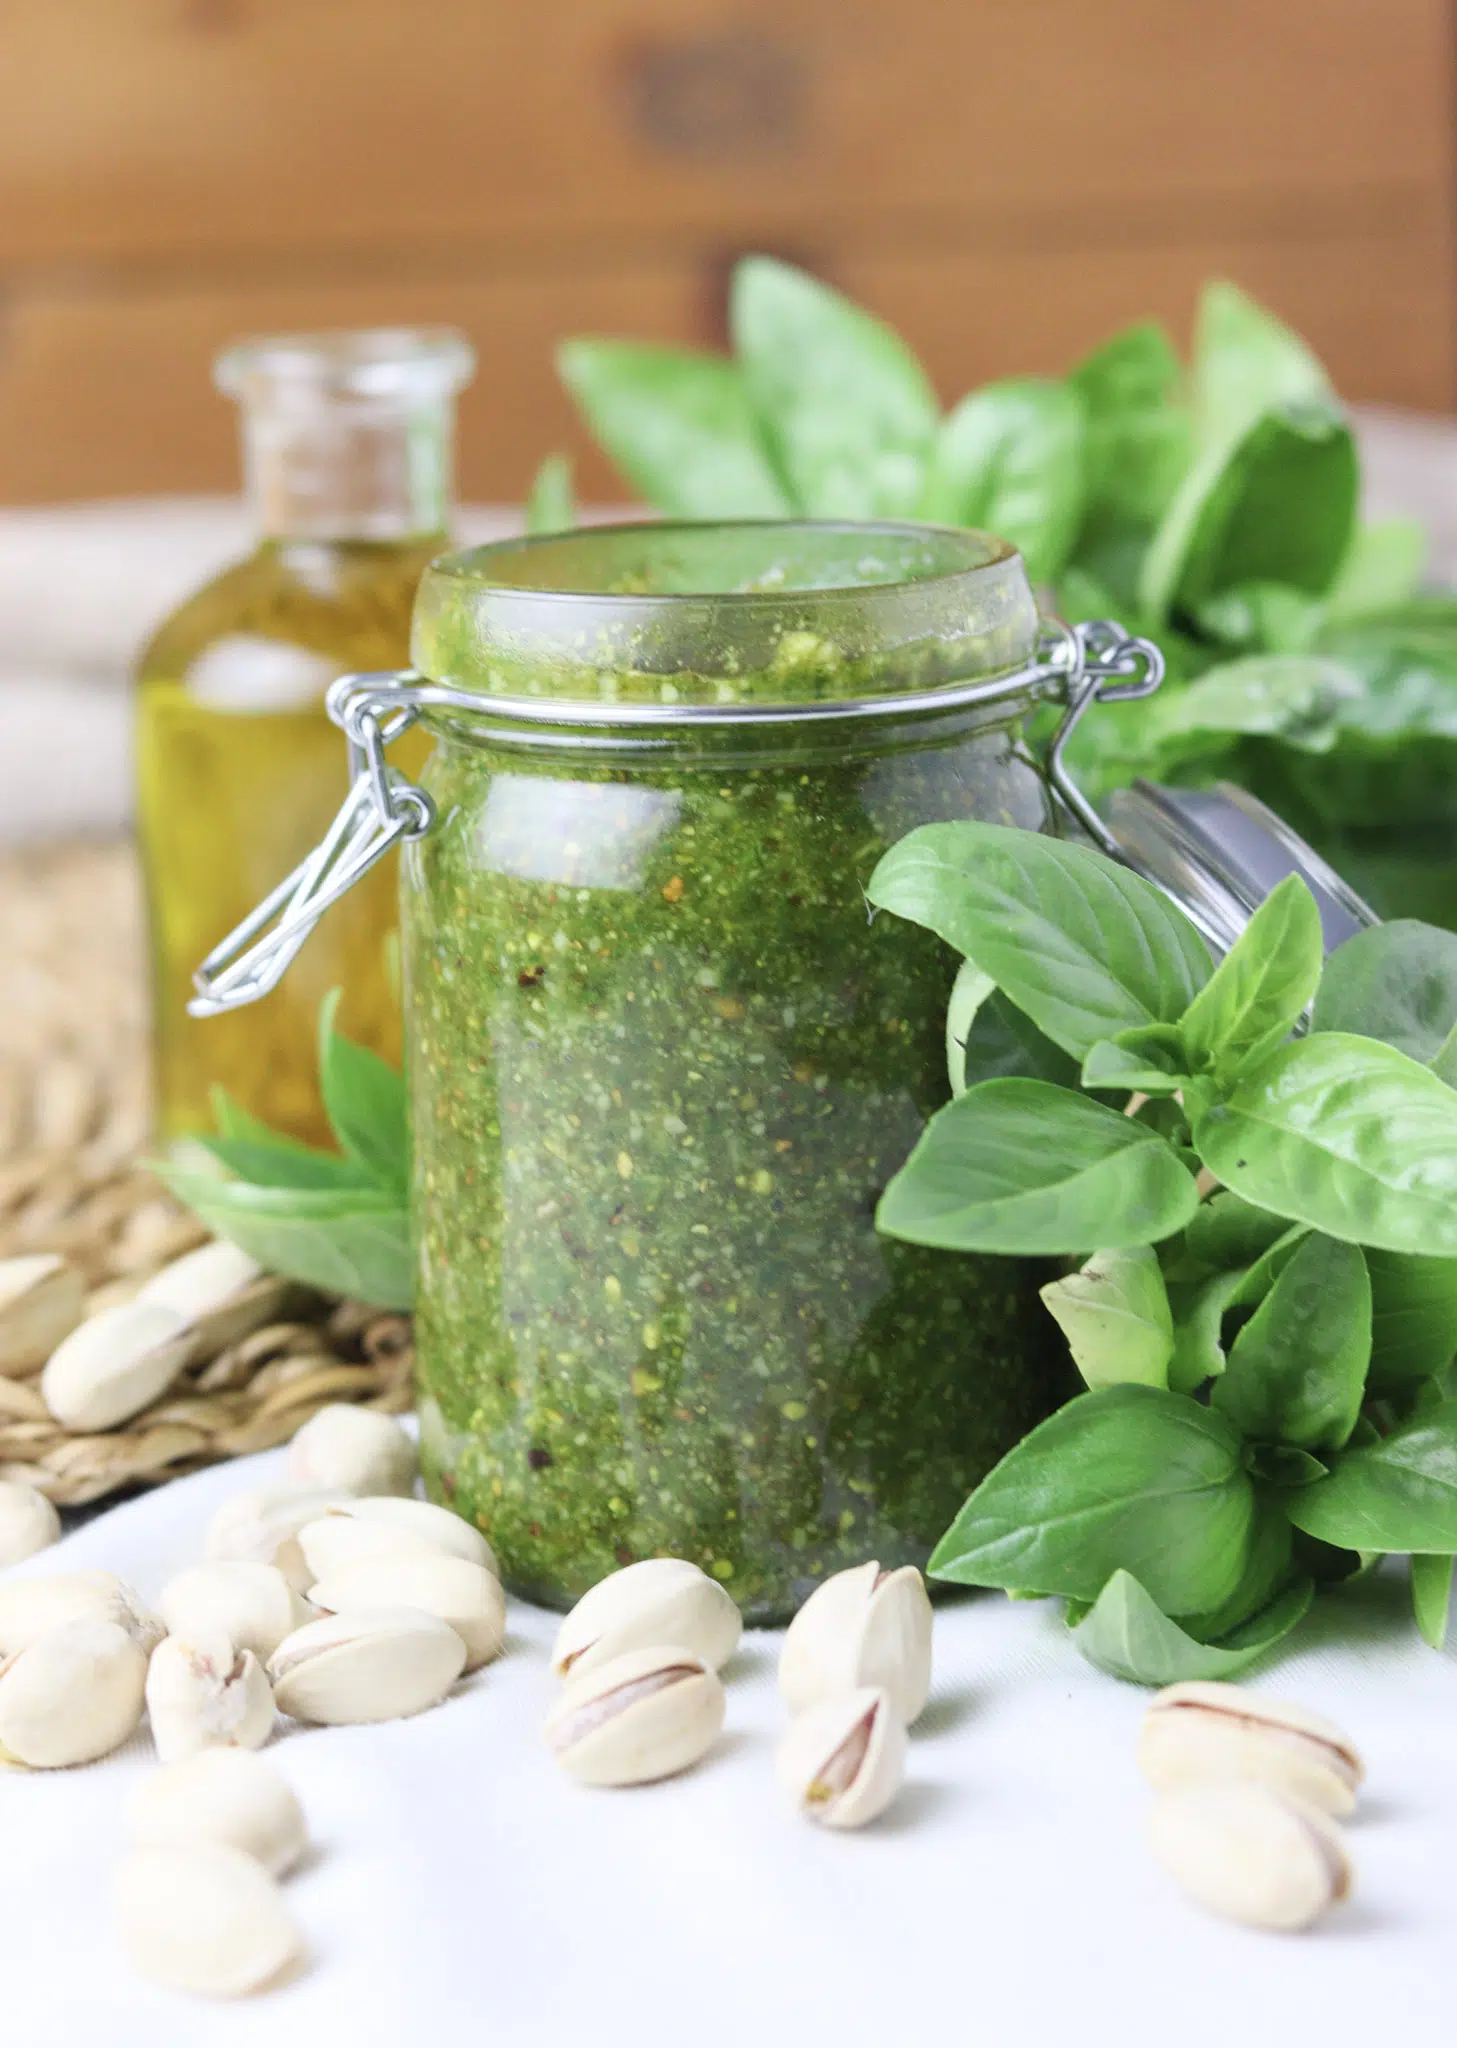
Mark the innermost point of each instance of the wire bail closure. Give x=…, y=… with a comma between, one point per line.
x=1094, y=663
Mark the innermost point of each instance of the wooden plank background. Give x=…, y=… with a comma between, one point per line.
x=1006, y=183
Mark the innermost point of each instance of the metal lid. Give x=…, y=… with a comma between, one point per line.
x=1219, y=852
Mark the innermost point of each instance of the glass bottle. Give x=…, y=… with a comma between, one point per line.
x=347, y=444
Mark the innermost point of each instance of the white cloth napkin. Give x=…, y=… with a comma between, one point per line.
x=463, y=1890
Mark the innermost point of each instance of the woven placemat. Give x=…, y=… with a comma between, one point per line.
x=74, y=1126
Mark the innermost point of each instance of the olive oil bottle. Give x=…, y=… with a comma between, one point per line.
x=347, y=442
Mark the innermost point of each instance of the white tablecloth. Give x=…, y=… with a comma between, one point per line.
x=463, y=1890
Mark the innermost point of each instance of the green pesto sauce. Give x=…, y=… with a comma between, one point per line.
x=662, y=1065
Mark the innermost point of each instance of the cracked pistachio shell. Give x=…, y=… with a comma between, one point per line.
x=465, y=1596
x=28, y=1522
x=861, y=1627
x=1250, y=1853
x=843, y=1760
x=660, y=1600
x=206, y=1919
x=261, y=1527
x=31, y=1608
x=1200, y=1731
x=644, y=1715
x=232, y=1796
x=115, y=1364
x=367, y=1664
x=42, y=1299
x=350, y=1450
x=221, y=1294
x=203, y=1694
x=380, y=1526
x=72, y=1695
x=253, y=1605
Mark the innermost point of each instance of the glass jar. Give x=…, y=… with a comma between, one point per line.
x=347, y=452
x=662, y=1062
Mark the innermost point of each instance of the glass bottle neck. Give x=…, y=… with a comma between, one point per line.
x=348, y=468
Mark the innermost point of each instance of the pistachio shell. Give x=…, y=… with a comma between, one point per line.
x=204, y=1694
x=1250, y=1853
x=28, y=1522
x=253, y=1605
x=861, y=1627
x=843, y=1760
x=1198, y=1731
x=115, y=1364
x=262, y=1525
x=347, y=1450
x=644, y=1715
x=232, y=1796
x=660, y=1600
x=30, y=1608
x=465, y=1596
x=369, y=1664
x=42, y=1299
x=379, y=1526
x=220, y=1292
x=72, y=1695
x=206, y=1919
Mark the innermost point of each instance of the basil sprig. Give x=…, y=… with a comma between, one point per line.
x=1266, y=1304
x=334, y=1220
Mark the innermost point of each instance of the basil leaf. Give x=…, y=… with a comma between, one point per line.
x=1268, y=617
x=1025, y=1167
x=345, y=1241
x=1396, y=982
x=1126, y=1479
x=1443, y=1062
x=1085, y=947
x=1283, y=1465
x=1345, y=1134
x=1297, y=1370
x=1413, y=1319
x=1270, y=1568
x=1431, y=1597
x=1009, y=459
x=1278, y=506
x=1137, y=436
x=1003, y=1043
x=848, y=411
x=1245, y=362
x=1382, y=569
x=1199, y=1311
x=1259, y=990
x=1115, y=1315
x=1148, y=1060
x=280, y=1166
x=364, y=1099
x=233, y=1121
x=1297, y=698
x=551, y=505
x=1229, y=1231
x=968, y=992
x=1399, y=1494
x=678, y=424
x=1128, y=1635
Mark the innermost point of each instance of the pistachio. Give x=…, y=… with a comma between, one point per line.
x=72, y=1695
x=861, y=1627
x=380, y=1526
x=205, y=1918
x=220, y=1292
x=231, y=1796
x=660, y=1600
x=368, y=1664
x=253, y=1605
x=42, y=1298
x=465, y=1596
x=345, y=1449
x=1198, y=1731
x=115, y=1364
x=262, y=1525
x=1251, y=1853
x=640, y=1716
x=30, y=1608
x=203, y=1694
x=842, y=1761
x=28, y=1522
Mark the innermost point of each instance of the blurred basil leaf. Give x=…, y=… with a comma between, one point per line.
x=351, y=1241
x=1396, y=982
x=364, y=1099
x=1009, y=459
x=1138, y=432
x=1382, y=569
x=1127, y=1634
x=551, y=506
x=1246, y=362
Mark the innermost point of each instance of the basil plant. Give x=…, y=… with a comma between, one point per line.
x=1257, y=1225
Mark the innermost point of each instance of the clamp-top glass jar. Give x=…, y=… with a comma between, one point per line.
x=661, y=1062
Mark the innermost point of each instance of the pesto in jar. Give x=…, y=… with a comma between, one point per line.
x=662, y=1063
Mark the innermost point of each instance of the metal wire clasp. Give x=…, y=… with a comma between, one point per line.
x=1101, y=663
